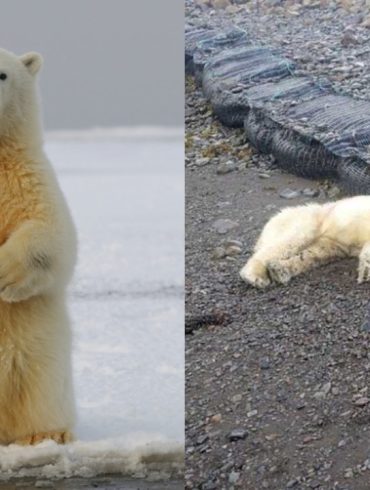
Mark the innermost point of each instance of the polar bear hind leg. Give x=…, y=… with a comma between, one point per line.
x=364, y=264
x=320, y=252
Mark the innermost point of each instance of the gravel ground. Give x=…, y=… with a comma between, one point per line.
x=106, y=483
x=277, y=380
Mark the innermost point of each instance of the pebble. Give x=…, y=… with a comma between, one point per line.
x=201, y=162
x=289, y=194
x=216, y=419
x=226, y=168
x=333, y=192
x=300, y=405
x=292, y=483
x=265, y=363
x=220, y=4
x=234, y=477
x=219, y=253
x=348, y=39
x=202, y=439
x=222, y=226
x=365, y=327
x=308, y=192
x=232, y=243
x=237, y=398
x=233, y=250
x=237, y=434
x=44, y=484
x=326, y=388
x=210, y=485
x=361, y=402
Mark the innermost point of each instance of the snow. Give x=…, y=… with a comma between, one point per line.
x=125, y=189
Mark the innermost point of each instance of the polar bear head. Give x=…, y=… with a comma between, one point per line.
x=18, y=99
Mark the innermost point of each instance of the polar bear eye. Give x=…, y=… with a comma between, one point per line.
x=3, y=76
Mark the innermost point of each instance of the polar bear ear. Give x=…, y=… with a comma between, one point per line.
x=32, y=61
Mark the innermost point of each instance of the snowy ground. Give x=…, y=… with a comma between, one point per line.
x=125, y=190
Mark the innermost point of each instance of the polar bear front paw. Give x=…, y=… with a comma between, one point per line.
x=255, y=273
x=363, y=270
x=278, y=272
x=16, y=279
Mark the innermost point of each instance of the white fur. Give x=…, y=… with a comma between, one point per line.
x=37, y=257
x=303, y=237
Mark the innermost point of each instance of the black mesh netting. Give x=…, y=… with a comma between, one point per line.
x=232, y=108
x=211, y=46
x=240, y=68
x=325, y=136
x=192, y=38
x=310, y=129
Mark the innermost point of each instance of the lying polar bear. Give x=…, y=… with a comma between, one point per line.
x=302, y=237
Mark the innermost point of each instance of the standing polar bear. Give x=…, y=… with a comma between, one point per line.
x=37, y=256
x=302, y=237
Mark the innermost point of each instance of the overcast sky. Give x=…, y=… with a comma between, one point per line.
x=107, y=62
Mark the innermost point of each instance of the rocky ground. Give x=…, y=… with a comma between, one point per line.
x=104, y=483
x=277, y=380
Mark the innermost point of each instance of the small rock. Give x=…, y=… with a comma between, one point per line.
x=271, y=437
x=264, y=363
x=225, y=168
x=210, y=485
x=222, y=226
x=202, y=439
x=202, y=3
x=365, y=327
x=348, y=39
x=44, y=484
x=292, y=483
x=233, y=250
x=361, y=402
x=234, y=477
x=300, y=405
x=366, y=22
x=216, y=419
x=326, y=388
x=237, y=398
x=230, y=243
x=289, y=194
x=333, y=192
x=220, y=4
x=264, y=176
x=237, y=434
x=308, y=192
x=201, y=162
x=348, y=473
x=219, y=253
